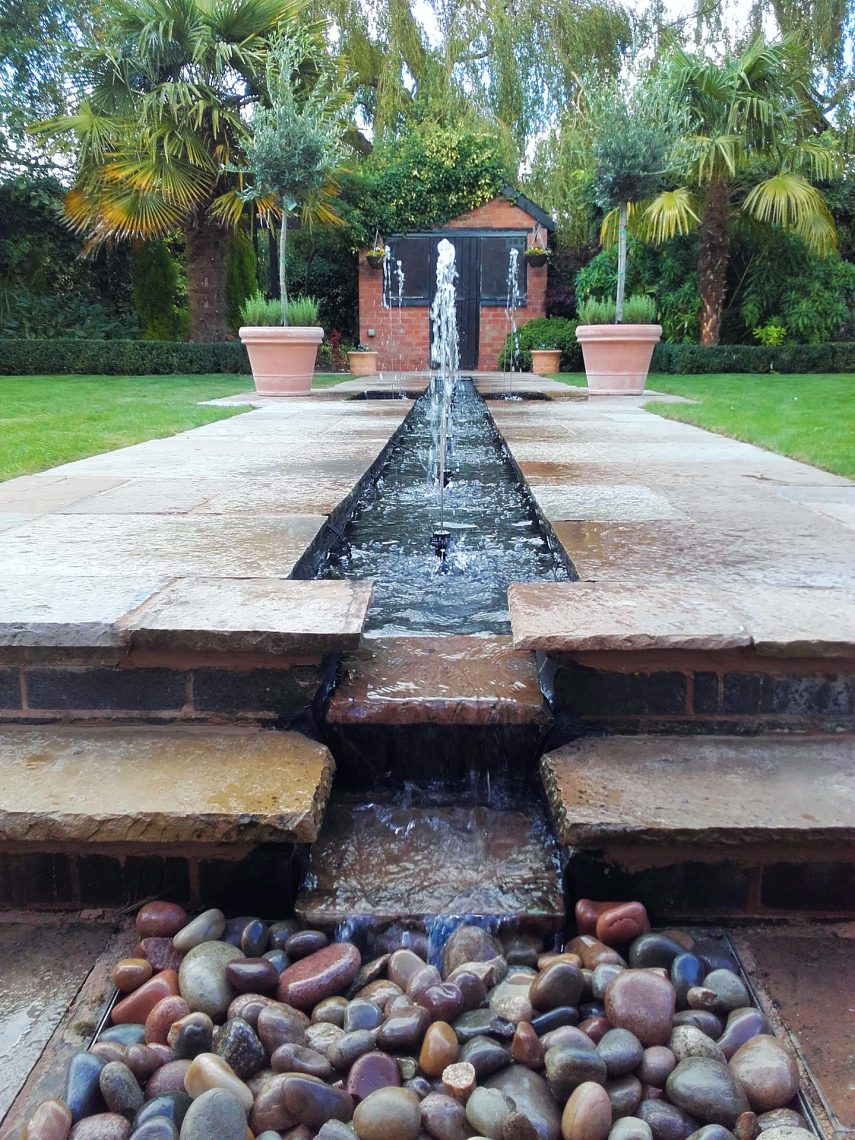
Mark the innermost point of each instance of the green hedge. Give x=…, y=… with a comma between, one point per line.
x=694, y=359
x=119, y=358
x=554, y=332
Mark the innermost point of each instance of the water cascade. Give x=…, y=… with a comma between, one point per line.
x=445, y=355
x=511, y=305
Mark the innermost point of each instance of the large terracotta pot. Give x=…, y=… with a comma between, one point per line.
x=362, y=363
x=617, y=357
x=282, y=358
x=545, y=361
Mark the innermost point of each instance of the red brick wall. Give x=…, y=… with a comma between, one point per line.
x=402, y=338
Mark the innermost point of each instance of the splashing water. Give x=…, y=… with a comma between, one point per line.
x=511, y=305
x=445, y=356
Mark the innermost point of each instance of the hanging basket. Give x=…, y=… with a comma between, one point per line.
x=375, y=257
x=536, y=258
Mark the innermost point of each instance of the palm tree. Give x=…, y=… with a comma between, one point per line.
x=161, y=128
x=751, y=140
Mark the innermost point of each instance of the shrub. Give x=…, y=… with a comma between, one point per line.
x=302, y=311
x=639, y=309
x=156, y=293
x=695, y=359
x=596, y=311
x=119, y=358
x=29, y=316
x=259, y=310
x=557, y=331
x=241, y=281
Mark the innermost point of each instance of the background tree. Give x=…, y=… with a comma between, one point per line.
x=160, y=122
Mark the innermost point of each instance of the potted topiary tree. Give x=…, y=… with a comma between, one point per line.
x=291, y=151
x=629, y=151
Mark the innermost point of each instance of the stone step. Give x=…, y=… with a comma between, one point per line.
x=707, y=827
x=380, y=863
x=155, y=787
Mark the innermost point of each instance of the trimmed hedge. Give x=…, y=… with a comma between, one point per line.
x=557, y=332
x=119, y=358
x=694, y=359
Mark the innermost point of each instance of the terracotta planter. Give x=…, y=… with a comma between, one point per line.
x=545, y=361
x=617, y=357
x=282, y=358
x=362, y=363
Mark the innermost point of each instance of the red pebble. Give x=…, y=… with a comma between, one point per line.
x=169, y=1078
x=160, y=919
x=160, y=952
x=622, y=924
x=160, y=1020
x=588, y=912
x=595, y=1027
x=135, y=1008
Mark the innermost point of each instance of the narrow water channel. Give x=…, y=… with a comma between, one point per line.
x=496, y=533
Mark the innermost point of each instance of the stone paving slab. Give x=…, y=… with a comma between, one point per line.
x=705, y=790
x=623, y=503
x=253, y=615
x=161, y=785
x=8, y=521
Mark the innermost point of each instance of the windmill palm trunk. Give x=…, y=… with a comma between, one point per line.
x=205, y=247
x=713, y=258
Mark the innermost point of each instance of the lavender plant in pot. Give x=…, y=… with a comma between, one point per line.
x=629, y=155
x=293, y=147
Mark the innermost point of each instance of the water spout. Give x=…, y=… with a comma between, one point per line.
x=511, y=305
x=445, y=355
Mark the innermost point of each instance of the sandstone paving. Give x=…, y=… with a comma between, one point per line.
x=8, y=521
x=168, y=786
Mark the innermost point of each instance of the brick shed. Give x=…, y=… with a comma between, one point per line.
x=483, y=239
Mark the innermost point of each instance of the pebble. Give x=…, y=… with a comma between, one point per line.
x=654, y=950
x=526, y=1047
x=206, y=927
x=107, y=1051
x=404, y=1030
x=208, y=1071
x=459, y=1080
x=767, y=1070
x=587, y=1114
x=322, y=974
x=592, y=952
x=349, y=1047
x=729, y=989
x=687, y=971
x=82, y=1087
x=443, y=1118
x=587, y=913
x=444, y=1002
x=238, y=1045
x=279, y=932
x=252, y=975
x=103, y=1126
x=302, y=943
x=559, y=984
x=624, y=1095
x=191, y=1035
x=563, y=1015
x=169, y=1078
x=643, y=1003
x=713, y=1132
x=254, y=938
x=214, y=1113
x=630, y=1128
x=788, y=1134
x=687, y=1041
x=780, y=1118
x=601, y=976
x=135, y=1008
x=707, y=1090
x=278, y=1024
x=486, y=1055
x=621, y=1051
x=482, y=1022
x=269, y=1110
x=439, y=1049
x=469, y=944
x=667, y=1122
x=622, y=923
x=322, y=1037
x=162, y=1017
x=50, y=1121
x=312, y=1102
x=202, y=977
x=161, y=953
x=332, y=1010
x=487, y=1110
x=519, y=1127
x=160, y=919
x=290, y=1058
x=742, y=1025
x=360, y=1014
x=157, y=1129
x=370, y=1072
x=530, y=1093
x=170, y=1106
x=129, y=973
x=568, y=1066
x=388, y=1114
x=121, y=1089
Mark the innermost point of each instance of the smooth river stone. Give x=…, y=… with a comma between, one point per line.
x=443, y=1118
x=643, y=1003
x=208, y=1071
x=444, y=1001
x=236, y=1042
x=302, y=943
x=622, y=923
x=729, y=989
x=326, y=972
x=370, y=1072
x=214, y=1113
x=129, y=974
x=526, y=1047
x=359, y=1014
x=687, y=1041
x=312, y=1102
x=559, y=984
x=332, y=1010
x=206, y=927
x=621, y=1051
x=268, y=1109
x=254, y=938
x=742, y=1025
x=160, y=919
x=82, y=1087
x=404, y=1030
x=170, y=1106
x=388, y=1114
x=667, y=1122
x=482, y=1022
x=713, y=1132
x=510, y=1001
x=568, y=1066
x=121, y=1089
x=50, y=1121
x=780, y=1118
x=587, y=1114
x=600, y=978
x=767, y=1070
x=587, y=913
x=439, y=1049
x=654, y=950
x=624, y=1095
x=703, y=1019
x=252, y=975
x=162, y=1017
x=403, y=966
x=487, y=1110
x=135, y=1008
x=630, y=1128
x=322, y=1036
x=707, y=1090
x=103, y=1126
x=160, y=952
x=202, y=977
x=158, y=1129
x=530, y=1093
x=349, y=1047
x=124, y=1035
x=291, y=1058
x=422, y=980
x=471, y=987
x=485, y=1055
x=278, y=1024
x=469, y=944
x=108, y=1051
x=191, y=1035
x=168, y=1078
x=593, y=952
x=687, y=971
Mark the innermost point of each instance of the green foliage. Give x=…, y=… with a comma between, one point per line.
x=556, y=332
x=241, y=281
x=631, y=144
x=429, y=176
x=639, y=309
x=697, y=359
x=157, y=297
x=597, y=311
x=260, y=310
x=322, y=264
x=119, y=358
x=771, y=334
x=302, y=311
x=29, y=316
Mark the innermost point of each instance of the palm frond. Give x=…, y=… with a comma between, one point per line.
x=670, y=213
x=788, y=200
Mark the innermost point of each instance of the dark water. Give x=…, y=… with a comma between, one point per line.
x=496, y=536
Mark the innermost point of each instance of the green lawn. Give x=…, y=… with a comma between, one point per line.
x=47, y=420
x=811, y=418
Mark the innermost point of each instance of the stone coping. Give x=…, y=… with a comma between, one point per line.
x=771, y=621
x=636, y=790
x=152, y=785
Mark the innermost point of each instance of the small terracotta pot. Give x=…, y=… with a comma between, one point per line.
x=362, y=363
x=282, y=357
x=617, y=357
x=544, y=361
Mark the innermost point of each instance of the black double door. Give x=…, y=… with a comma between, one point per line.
x=467, y=261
